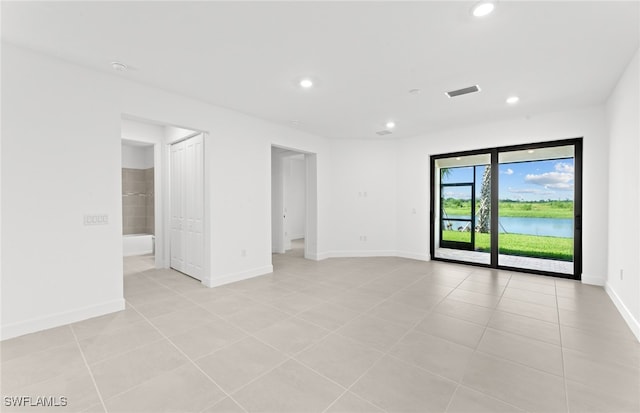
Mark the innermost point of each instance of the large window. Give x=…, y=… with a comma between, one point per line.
x=512, y=207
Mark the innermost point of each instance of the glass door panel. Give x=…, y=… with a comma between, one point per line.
x=456, y=216
x=536, y=209
x=463, y=208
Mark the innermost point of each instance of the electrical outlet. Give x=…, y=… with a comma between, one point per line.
x=363, y=238
x=243, y=253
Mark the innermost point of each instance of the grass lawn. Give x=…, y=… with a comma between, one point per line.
x=522, y=245
x=550, y=209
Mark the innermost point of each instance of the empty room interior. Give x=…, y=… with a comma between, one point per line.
x=423, y=206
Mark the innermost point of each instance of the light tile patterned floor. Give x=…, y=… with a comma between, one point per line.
x=340, y=335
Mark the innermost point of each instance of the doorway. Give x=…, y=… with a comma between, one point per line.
x=516, y=207
x=175, y=197
x=138, y=204
x=293, y=202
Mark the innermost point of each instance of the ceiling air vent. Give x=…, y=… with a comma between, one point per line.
x=383, y=132
x=464, y=91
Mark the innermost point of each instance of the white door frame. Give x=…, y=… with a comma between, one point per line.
x=311, y=201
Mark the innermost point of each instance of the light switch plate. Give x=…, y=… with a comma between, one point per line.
x=96, y=219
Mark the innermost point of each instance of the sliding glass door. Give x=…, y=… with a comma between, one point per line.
x=526, y=215
x=464, y=208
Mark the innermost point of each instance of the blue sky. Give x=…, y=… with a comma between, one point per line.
x=525, y=181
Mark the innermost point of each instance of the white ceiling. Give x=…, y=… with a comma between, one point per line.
x=363, y=56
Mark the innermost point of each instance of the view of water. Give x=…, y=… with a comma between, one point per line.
x=552, y=227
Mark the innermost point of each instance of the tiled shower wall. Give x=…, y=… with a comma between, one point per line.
x=137, y=201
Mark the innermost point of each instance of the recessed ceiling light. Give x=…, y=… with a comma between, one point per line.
x=483, y=8
x=414, y=91
x=390, y=125
x=117, y=66
x=306, y=83
x=512, y=100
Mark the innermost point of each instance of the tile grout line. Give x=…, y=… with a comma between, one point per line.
x=188, y=358
x=387, y=352
x=507, y=360
x=335, y=331
x=564, y=374
x=475, y=349
x=288, y=357
x=93, y=380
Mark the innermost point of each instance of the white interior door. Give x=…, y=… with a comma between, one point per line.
x=187, y=206
x=177, y=206
x=194, y=206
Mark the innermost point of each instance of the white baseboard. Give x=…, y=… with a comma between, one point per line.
x=413, y=255
x=237, y=276
x=137, y=252
x=319, y=256
x=360, y=253
x=587, y=279
x=633, y=324
x=367, y=253
x=59, y=319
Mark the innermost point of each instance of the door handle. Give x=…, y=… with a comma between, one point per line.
x=578, y=222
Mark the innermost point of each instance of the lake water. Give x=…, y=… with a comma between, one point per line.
x=552, y=227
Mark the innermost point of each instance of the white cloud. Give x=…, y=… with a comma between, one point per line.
x=530, y=191
x=561, y=186
x=459, y=195
x=509, y=171
x=564, y=167
x=562, y=181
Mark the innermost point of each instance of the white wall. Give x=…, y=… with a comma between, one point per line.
x=623, y=111
x=55, y=270
x=61, y=160
x=294, y=191
x=413, y=175
x=363, y=197
x=137, y=157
